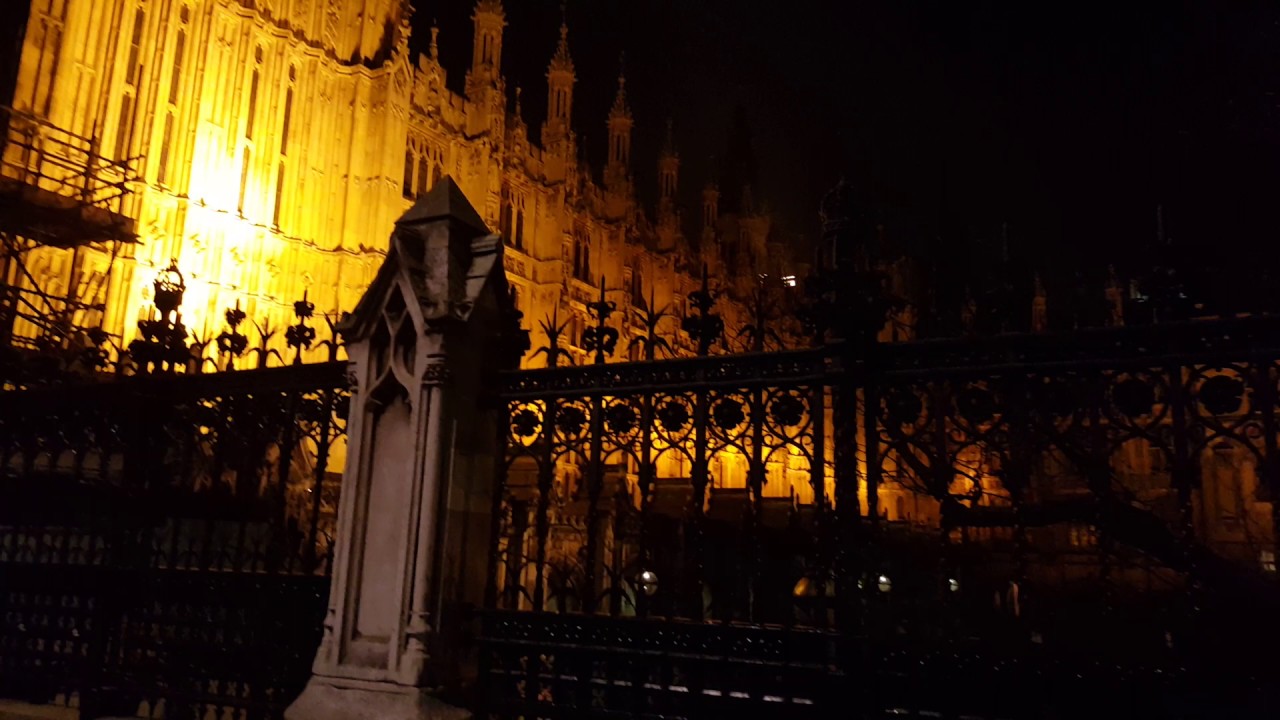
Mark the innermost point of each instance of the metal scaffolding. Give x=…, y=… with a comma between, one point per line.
x=57, y=191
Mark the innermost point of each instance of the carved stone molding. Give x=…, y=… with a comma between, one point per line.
x=417, y=339
x=436, y=374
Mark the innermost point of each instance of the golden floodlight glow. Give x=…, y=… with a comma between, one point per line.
x=269, y=167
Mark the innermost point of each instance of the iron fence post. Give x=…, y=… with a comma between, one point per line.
x=697, y=509
x=1265, y=382
x=1184, y=480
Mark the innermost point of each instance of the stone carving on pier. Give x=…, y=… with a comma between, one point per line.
x=415, y=516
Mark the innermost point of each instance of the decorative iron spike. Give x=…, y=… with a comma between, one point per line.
x=232, y=343
x=757, y=330
x=705, y=327
x=817, y=309
x=652, y=317
x=162, y=345
x=601, y=339
x=170, y=286
x=264, y=353
x=196, y=359
x=300, y=336
x=552, y=329
x=334, y=343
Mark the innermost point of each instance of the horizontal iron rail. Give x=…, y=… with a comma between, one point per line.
x=798, y=366
x=1199, y=342
x=289, y=378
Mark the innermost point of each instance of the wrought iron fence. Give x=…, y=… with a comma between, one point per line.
x=164, y=540
x=913, y=526
x=63, y=353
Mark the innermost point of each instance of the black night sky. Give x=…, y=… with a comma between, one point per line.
x=1070, y=122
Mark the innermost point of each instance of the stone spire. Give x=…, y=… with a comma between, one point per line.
x=668, y=171
x=621, y=110
x=668, y=175
x=710, y=206
x=485, y=86
x=486, y=53
x=562, y=61
x=561, y=78
x=518, y=127
x=618, y=169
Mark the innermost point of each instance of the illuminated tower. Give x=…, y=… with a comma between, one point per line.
x=485, y=86
x=486, y=53
x=617, y=173
x=668, y=171
x=668, y=178
x=557, y=133
x=710, y=239
x=710, y=208
x=271, y=164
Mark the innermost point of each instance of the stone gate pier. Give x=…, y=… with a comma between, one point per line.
x=414, y=521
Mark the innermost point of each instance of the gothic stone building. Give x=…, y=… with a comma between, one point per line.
x=267, y=148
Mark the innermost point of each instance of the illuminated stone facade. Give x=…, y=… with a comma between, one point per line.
x=277, y=141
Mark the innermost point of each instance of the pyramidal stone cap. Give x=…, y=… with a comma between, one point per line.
x=445, y=201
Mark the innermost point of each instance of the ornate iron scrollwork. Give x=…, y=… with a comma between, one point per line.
x=232, y=343
x=651, y=343
x=705, y=327
x=553, y=330
x=600, y=339
x=163, y=342
x=300, y=336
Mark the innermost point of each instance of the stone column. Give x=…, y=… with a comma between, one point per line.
x=416, y=493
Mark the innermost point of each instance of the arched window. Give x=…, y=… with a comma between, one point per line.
x=279, y=206
x=504, y=215
x=407, y=188
x=171, y=105
x=516, y=221
x=255, y=80
x=245, y=162
x=437, y=165
x=582, y=257
x=133, y=74
x=285, y=126
x=637, y=288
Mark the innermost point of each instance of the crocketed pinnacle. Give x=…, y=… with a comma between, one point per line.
x=620, y=107
x=562, y=62
x=493, y=7
x=669, y=144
